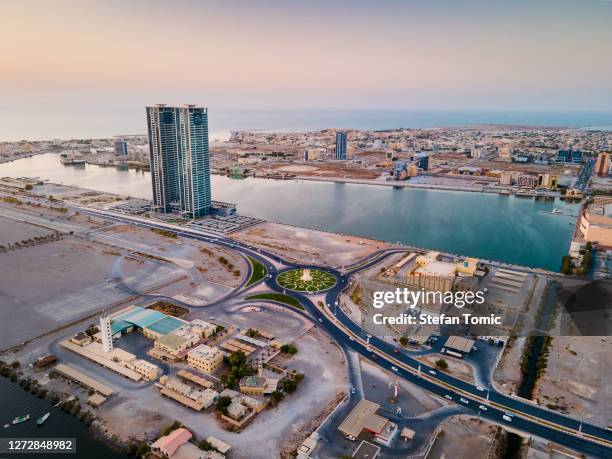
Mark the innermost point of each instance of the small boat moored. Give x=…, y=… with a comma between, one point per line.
x=20, y=419
x=42, y=419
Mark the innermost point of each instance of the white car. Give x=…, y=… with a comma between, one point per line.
x=320, y=320
x=464, y=400
x=350, y=437
x=432, y=372
x=448, y=397
x=394, y=368
x=351, y=338
x=507, y=418
x=480, y=388
x=353, y=390
x=482, y=407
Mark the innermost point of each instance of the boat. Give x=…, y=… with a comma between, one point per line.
x=71, y=158
x=556, y=211
x=42, y=419
x=20, y=419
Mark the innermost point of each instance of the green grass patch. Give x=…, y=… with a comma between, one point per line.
x=316, y=281
x=258, y=272
x=277, y=297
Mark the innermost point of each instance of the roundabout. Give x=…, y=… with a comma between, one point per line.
x=306, y=280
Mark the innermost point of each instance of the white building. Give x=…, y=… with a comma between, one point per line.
x=107, y=335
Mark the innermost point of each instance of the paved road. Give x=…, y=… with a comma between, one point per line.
x=492, y=405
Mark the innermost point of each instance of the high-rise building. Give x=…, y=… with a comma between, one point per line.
x=178, y=149
x=107, y=335
x=340, y=152
x=602, y=166
x=121, y=148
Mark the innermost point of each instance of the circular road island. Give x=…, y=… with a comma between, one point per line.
x=306, y=280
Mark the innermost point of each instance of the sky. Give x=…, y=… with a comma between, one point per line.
x=70, y=57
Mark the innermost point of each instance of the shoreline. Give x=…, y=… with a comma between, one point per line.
x=407, y=184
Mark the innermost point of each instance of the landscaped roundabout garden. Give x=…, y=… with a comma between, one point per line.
x=306, y=280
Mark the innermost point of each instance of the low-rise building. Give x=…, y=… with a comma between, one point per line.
x=177, y=342
x=169, y=444
x=148, y=370
x=596, y=221
x=81, y=338
x=205, y=358
x=253, y=385
x=236, y=410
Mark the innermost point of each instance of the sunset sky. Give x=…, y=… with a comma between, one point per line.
x=410, y=54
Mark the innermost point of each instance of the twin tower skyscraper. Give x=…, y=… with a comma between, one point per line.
x=179, y=158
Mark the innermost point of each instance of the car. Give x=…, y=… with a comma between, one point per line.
x=432, y=372
x=507, y=418
x=464, y=400
x=353, y=390
x=320, y=320
x=369, y=349
x=396, y=351
x=394, y=368
x=482, y=407
x=351, y=338
x=351, y=438
x=369, y=336
x=448, y=397
x=480, y=388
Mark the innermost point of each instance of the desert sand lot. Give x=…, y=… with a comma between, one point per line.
x=12, y=231
x=304, y=245
x=577, y=378
x=463, y=438
x=46, y=286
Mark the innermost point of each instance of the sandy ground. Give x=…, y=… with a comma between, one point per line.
x=184, y=252
x=463, y=437
x=304, y=245
x=45, y=286
x=577, y=379
x=457, y=368
x=507, y=375
x=12, y=231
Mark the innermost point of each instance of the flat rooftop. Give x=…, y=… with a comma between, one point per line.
x=458, y=343
x=437, y=268
x=82, y=378
x=204, y=351
x=363, y=416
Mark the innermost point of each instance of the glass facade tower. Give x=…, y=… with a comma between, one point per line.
x=340, y=152
x=180, y=169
